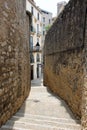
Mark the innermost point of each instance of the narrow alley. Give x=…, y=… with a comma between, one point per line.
x=42, y=111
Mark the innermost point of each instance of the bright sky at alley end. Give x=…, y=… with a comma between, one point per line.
x=49, y=5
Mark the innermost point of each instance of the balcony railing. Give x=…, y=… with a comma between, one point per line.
x=36, y=49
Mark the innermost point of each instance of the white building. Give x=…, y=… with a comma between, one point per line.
x=46, y=23
x=35, y=38
x=60, y=7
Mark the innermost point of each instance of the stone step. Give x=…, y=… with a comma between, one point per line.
x=46, y=118
x=15, y=128
x=41, y=121
x=40, y=125
x=47, y=122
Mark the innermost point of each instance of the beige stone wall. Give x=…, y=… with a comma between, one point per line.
x=63, y=74
x=65, y=55
x=84, y=90
x=14, y=57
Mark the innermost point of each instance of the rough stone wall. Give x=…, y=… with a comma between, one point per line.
x=84, y=92
x=64, y=55
x=14, y=57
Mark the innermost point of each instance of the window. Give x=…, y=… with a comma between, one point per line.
x=31, y=42
x=31, y=58
x=43, y=32
x=38, y=40
x=32, y=11
x=38, y=58
x=38, y=16
x=37, y=28
x=43, y=19
x=31, y=28
x=49, y=21
x=38, y=45
x=43, y=26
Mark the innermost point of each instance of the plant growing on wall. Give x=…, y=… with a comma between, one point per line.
x=47, y=27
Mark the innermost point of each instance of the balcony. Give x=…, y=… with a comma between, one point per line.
x=35, y=49
x=39, y=34
x=32, y=30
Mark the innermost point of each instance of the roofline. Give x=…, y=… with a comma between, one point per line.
x=46, y=11
x=35, y=6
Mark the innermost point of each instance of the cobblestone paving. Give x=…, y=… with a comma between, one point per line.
x=42, y=111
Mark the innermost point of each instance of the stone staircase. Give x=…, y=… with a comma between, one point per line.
x=22, y=121
x=42, y=111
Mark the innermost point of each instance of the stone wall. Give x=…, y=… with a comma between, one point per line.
x=64, y=55
x=14, y=57
x=84, y=92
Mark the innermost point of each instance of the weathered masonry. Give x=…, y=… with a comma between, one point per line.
x=14, y=57
x=65, y=70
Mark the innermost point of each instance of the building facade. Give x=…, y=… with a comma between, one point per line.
x=46, y=23
x=60, y=7
x=35, y=39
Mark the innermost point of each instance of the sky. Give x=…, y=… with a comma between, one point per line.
x=49, y=5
